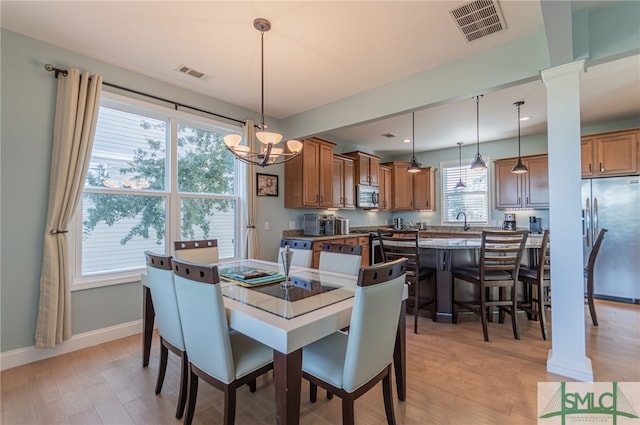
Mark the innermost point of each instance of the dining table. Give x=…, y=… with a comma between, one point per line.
x=286, y=318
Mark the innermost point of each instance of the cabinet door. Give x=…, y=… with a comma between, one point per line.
x=423, y=196
x=385, y=188
x=338, y=182
x=616, y=154
x=508, y=187
x=374, y=169
x=586, y=157
x=325, y=172
x=363, y=167
x=349, y=194
x=311, y=179
x=402, y=196
x=536, y=183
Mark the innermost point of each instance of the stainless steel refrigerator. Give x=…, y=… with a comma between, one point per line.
x=613, y=203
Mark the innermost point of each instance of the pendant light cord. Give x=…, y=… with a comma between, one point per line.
x=262, y=78
x=478, y=123
x=413, y=135
x=519, y=130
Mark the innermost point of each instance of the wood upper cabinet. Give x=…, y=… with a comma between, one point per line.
x=384, y=181
x=343, y=182
x=367, y=166
x=528, y=190
x=411, y=191
x=309, y=176
x=610, y=154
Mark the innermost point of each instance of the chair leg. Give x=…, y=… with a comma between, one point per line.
x=416, y=306
x=329, y=395
x=348, y=411
x=313, y=392
x=387, y=393
x=184, y=381
x=162, y=367
x=484, y=312
x=229, y=405
x=514, y=314
x=252, y=385
x=541, y=313
x=592, y=311
x=191, y=398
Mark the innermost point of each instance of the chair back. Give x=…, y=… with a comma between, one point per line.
x=401, y=244
x=374, y=322
x=501, y=254
x=204, y=321
x=302, y=252
x=201, y=252
x=164, y=299
x=341, y=258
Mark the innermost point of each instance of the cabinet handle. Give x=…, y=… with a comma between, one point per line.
x=590, y=170
x=518, y=199
x=317, y=198
x=601, y=168
x=527, y=200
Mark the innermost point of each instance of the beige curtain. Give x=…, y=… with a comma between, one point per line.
x=77, y=104
x=251, y=235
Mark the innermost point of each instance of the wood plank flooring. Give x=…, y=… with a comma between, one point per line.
x=454, y=377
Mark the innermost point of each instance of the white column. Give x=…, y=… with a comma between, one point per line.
x=567, y=356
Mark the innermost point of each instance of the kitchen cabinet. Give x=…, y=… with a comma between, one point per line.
x=528, y=190
x=411, y=191
x=384, y=181
x=309, y=176
x=363, y=241
x=610, y=154
x=343, y=182
x=367, y=167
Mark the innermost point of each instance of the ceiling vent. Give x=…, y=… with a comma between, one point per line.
x=388, y=135
x=190, y=71
x=477, y=19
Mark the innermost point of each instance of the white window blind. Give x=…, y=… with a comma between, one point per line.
x=473, y=199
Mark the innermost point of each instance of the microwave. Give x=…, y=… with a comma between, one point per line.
x=367, y=196
x=319, y=224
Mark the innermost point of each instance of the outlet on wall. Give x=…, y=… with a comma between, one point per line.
x=292, y=224
x=266, y=225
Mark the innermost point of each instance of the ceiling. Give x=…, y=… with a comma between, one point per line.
x=321, y=52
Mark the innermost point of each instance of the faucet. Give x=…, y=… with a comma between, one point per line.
x=466, y=226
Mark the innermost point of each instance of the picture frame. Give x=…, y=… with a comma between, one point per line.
x=266, y=185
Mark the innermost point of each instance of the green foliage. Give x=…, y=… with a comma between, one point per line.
x=204, y=166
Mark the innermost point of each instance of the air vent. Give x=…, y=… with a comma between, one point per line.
x=190, y=71
x=388, y=135
x=477, y=19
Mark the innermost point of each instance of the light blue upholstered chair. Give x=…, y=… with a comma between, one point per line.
x=222, y=357
x=201, y=252
x=302, y=252
x=163, y=294
x=349, y=365
x=340, y=258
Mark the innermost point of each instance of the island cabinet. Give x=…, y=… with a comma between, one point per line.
x=343, y=182
x=367, y=166
x=528, y=190
x=309, y=176
x=610, y=154
x=363, y=241
x=384, y=180
x=411, y=191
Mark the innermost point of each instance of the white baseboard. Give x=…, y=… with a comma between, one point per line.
x=32, y=354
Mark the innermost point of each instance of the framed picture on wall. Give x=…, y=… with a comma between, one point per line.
x=266, y=185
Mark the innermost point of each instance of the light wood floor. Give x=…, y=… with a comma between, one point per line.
x=454, y=377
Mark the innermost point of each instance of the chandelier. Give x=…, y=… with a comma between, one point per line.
x=269, y=153
x=519, y=168
x=478, y=162
x=414, y=166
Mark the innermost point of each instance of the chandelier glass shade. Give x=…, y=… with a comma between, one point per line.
x=268, y=152
x=414, y=166
x=478, y=162
x=519, y=168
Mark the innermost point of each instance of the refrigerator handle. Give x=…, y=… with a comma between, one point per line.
x=587, y=217
x=595, y=218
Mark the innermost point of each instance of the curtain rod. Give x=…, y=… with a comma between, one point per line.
x=64, y=73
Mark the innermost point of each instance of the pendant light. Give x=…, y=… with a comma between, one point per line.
x=519, y=168
x=268, y=153
x=460, y=184
x=414, y=167
x=478, y=162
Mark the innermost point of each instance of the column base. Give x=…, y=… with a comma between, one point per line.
x=572, y=368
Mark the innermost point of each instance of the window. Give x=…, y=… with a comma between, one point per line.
x=155, y=176
x=473, y=199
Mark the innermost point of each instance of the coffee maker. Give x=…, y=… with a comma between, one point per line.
x=535, y=225
x=509, y=221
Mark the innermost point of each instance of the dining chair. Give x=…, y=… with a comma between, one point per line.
x=404, y=244
x=222, y=357
x=302, y=252
x=165, y=304
x=350, y=364
x=202, y=251
x=500, y=258
x=589, y=271
x=341, y=258
x=538, y=282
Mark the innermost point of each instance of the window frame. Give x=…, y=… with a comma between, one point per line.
x=171, y=196
x=443, y=195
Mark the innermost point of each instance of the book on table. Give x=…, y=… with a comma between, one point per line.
x=252, y=277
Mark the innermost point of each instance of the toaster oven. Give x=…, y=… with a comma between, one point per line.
x=319, y=224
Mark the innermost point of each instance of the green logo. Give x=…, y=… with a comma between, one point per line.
x=612, y=403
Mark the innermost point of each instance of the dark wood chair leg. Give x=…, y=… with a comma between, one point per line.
x=162, y=367
x=416, y=306
x=184, y=381
x=252, y=385
x=313, y=392
x=592, y=306
x=542, y=317
x=229, y=405
x=514, y=315
x=484, y=313
x=329, y=395
x=191, y=398
x=348, y=417
x=387, y=393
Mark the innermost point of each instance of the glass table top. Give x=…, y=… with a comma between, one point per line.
x=260, y=284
